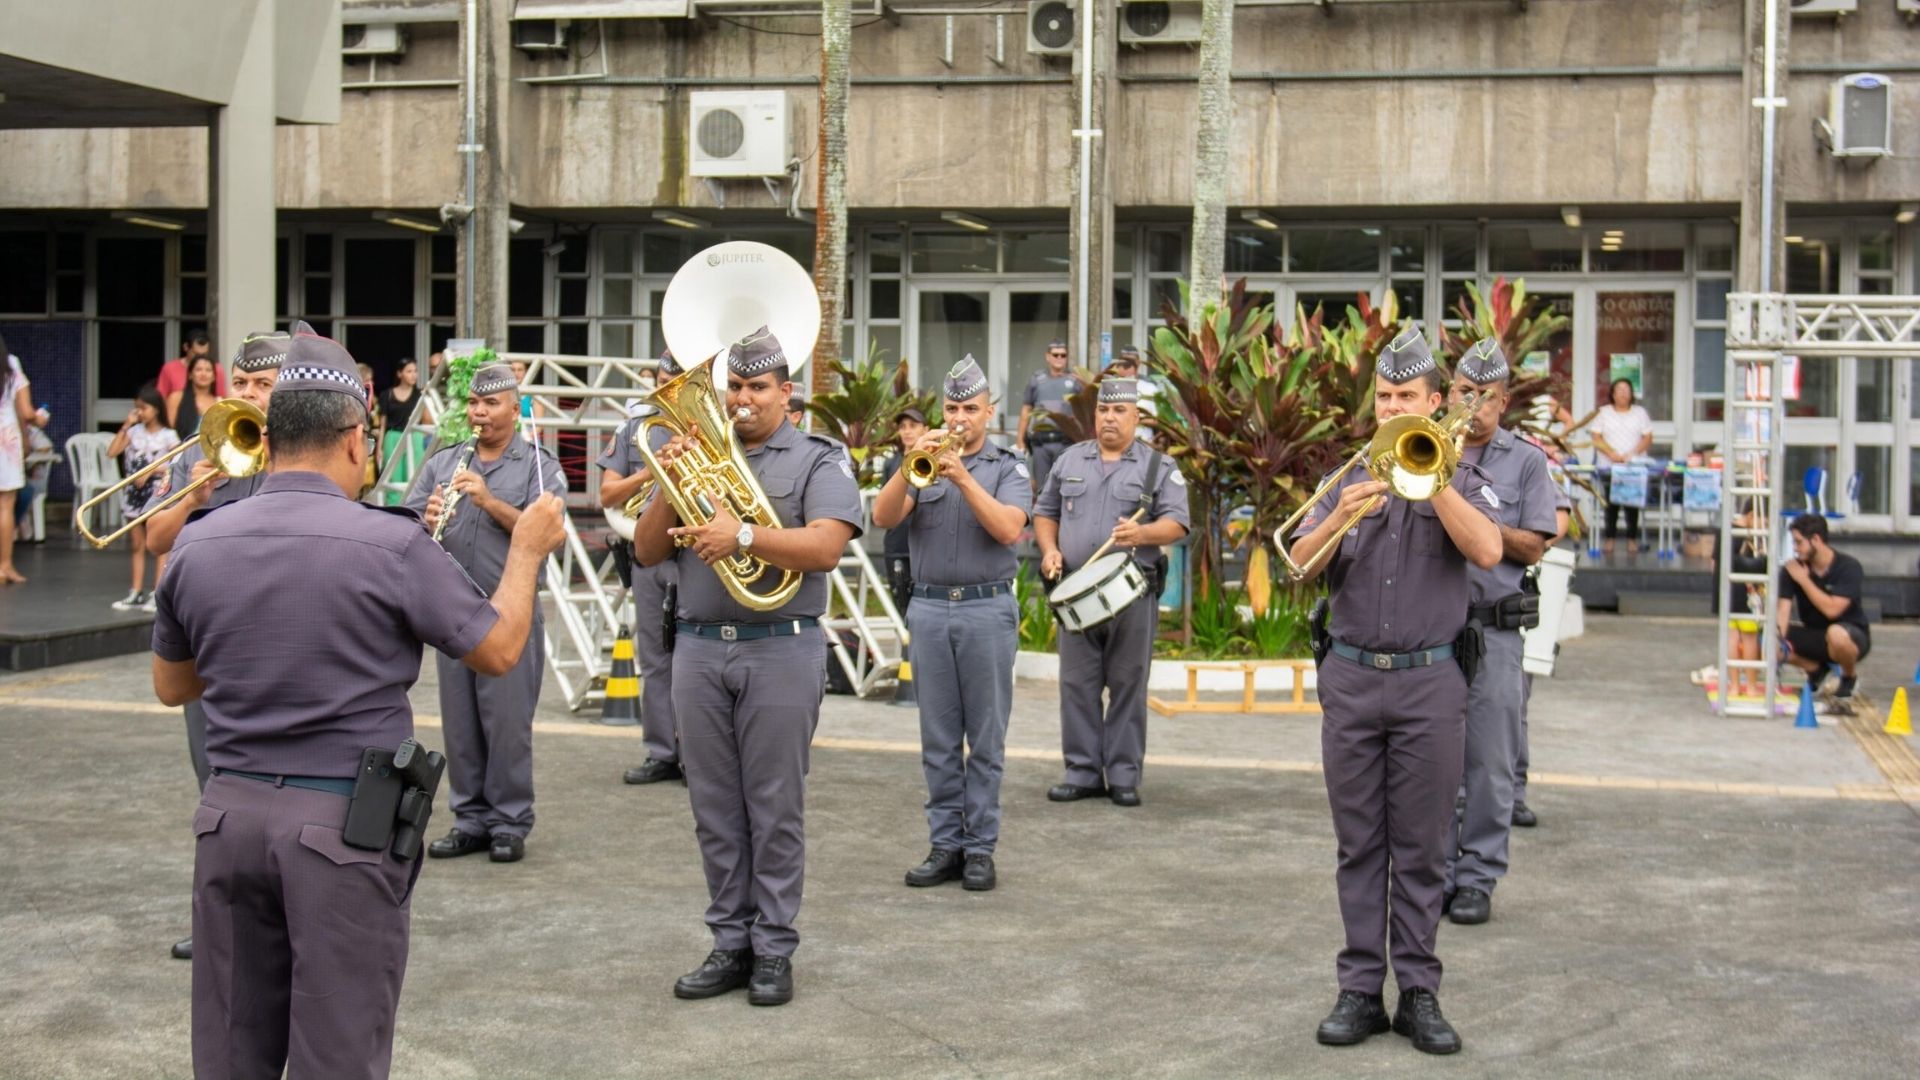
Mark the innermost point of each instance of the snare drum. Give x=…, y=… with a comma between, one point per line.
x=1098, y=591
x=1540, y=645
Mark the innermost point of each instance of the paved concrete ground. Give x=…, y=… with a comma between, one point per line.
x=1663, y=933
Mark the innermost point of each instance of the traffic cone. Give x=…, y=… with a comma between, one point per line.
x=1898, y=720
x=621, y=708
x=903, y=692
x=1806, y=718
x=1916, y=673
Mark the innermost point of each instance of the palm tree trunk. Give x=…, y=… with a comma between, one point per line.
x=830, y=204
x=1211, y=138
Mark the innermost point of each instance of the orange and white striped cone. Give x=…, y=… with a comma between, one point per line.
x=621, y=708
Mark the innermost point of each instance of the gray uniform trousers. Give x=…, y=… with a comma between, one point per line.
x=1111, y=657
x=197, y=741
x=747, y=711
x=1477, y=856
x=1044, y=455
x=656, y=663
x=488, y=725
x=963, y=673
x=299, y=941
x=1520, y=754
x=1391, y=742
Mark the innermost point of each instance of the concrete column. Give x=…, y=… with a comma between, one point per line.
x=1090, y=302
x=486, y=50
x=1763, y=233
x=240, y=195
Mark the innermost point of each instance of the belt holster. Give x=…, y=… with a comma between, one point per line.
x=1317, y=635
x=1470, y=648
x=392, y=799
x=669, y=600
x=421, y=770
x=622, y=559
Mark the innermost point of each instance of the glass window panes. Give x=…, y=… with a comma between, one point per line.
x=1166, y=292
x=1799, y=459
x=1123, y=251
x=130, y=354
x=573, y=296
x=1256, y=251
x=1710, y=298
x=1876, y=249
x=282, y=252
x=317, y=253
x=663, y=253
x=1452, y=295
x=1875, y=466
x=883, y=298
x=137, y=285
x=573, y=338
x=1873, y=391
x=23, y=272
x=1548, y=248
x=193, y=254
x=573, y=256
x=1410, y=298
x=1709, y=360
x=1166, y=251
x=1713, y=247
x=616, y=253
x=1643, y=248
x=527, y=338
x=616, y=298
x=1033, y=320
x=1036, y=252
x=883, y=252
x=616, y=339
x=1408, y=250
x=526, y=268
x=886, y=339
x=955, y=253
x=1122, y=300
x=70, y=252
x=1458, y=245
x=317, y=296
x=1813, y=264
x=379, y=276
x=70, y=293
x=1819, y=388
x=1634, y=337
x=1335, y=251
x=1875, y=286
x=442, y=296
x=193, y=296
x=444, y=248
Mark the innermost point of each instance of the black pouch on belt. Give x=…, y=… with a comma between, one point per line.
x=1520, y=611
x=622, y=559
x=1469, y=648
x=420, y=770
x=1317, y=636
x=668, y=602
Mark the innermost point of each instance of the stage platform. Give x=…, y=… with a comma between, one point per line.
x=64, y=612
x=1680, y=585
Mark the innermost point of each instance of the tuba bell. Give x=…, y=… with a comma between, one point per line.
x=721, y=295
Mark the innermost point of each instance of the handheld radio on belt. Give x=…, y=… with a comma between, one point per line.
x=392, y=799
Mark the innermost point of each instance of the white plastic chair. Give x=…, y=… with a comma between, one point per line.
x=93, y=472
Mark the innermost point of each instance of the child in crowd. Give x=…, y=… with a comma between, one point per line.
x=139, y=443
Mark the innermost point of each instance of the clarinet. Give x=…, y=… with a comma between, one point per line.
x=453, y=497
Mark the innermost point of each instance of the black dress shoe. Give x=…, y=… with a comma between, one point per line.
x=1417, y=1016
x=1470, y=906
x=1073, y=792
x=978, y=876
x=1355, y=1018
x=508, y=848
x=652, y=771
x=183, y=949
x=457, y=843
x=772, y=982
x=1523, y=816
x=1124, y=796
x=942, y=865
x=723, y=970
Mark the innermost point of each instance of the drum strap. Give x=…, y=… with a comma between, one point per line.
x=1152, y=487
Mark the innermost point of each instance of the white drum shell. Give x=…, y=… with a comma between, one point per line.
x=1097, y=592
x=1541, y=644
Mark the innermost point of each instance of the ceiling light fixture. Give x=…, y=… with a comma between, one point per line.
x=670, y=217
x=1907, y=212
x=965, y=221
x=1796, y=239
x=1255, y=217
x=402, y=221
x=1570, y=215
x=151, y=221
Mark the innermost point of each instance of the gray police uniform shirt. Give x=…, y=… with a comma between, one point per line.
x=473, y=537
x=1047, y=392
x=1088, y=497
x=307, y=662
x=807, y=478
x=1397, y=582
x=233, y=489
x=1517, y=485
x=946, y=543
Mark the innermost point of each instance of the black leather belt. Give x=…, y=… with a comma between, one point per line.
x=746, y=631
x=1036, y=438
x=1393, y=661
x=957, y=593
x=1486, y=613
x=332, y=785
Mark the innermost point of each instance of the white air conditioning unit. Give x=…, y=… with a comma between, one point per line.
x=1825, y=7
x=1860, y=116
x=541, y=38
x=1050, y=27
x=1910, y=8
x=738, y=133
x=1160, y=22
x=372, y=39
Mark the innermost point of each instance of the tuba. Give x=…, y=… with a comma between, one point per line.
x=721, y=295
x=1415, y=455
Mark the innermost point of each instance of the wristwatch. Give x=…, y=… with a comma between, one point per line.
x=744, y=537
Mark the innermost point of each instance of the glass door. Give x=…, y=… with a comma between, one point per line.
x=1005, y=326
x=947, y=324
x=1632, y=332
x=1035, y=316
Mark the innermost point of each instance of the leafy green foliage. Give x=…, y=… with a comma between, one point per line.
x=454, y=427
x=860, y=413
x=1038, y=630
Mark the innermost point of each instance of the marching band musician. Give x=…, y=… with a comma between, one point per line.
x=1521, y=491
x=625, y=474
x=1095, y=484
x=1393, y=695
x=254, y=372
x=488, y=719
x=747, y=684
x=301, y=932
x=964, y=623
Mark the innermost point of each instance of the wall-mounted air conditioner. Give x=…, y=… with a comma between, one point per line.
x=738, y=133
x=1160, y=22
x=541, y=38
x=1909, y=8
x=1860, y=116
x=1825, y=7
x=372, y=39
x=1050, y=28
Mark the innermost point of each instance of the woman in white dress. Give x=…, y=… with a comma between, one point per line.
x=17, y=414
x=1622, y=431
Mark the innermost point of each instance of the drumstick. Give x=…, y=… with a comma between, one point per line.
x=1103, y=547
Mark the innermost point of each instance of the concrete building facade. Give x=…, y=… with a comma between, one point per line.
x=1596, y=148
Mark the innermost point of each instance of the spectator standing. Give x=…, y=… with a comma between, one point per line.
x=17, y=416
x=139, y=443
x=173, y=373
x=1622, y=431
x=185, y=406
x=397, y=407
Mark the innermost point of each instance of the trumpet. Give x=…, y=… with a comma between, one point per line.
x=923, y=466
x=231, y=438
x=453, y=497
x=1414, y=455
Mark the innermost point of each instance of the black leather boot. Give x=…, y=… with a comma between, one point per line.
x=978, y=875
x=723, y=970
x=1355, y=1018
x=1417, y=1016
x=772, y=982
x=942, y=865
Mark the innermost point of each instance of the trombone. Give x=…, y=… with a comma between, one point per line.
x=1414, y=455
x=923, y=466
x=230, y=438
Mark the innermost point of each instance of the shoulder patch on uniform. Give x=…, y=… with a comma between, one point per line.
x=1176, y=477
x=846, y=465
x=1487, y=493
x=1021, y=468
